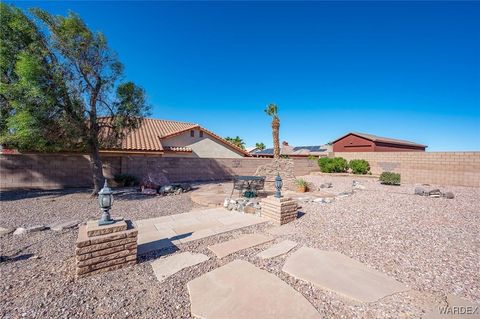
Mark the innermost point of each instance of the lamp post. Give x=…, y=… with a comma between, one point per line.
x=278, y=186
x=105, y=199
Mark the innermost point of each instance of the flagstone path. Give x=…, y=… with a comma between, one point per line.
x=241, y=290
x=277, y=249
x=165, y=267
x=243, y=242
x=341, y=274
x=166, y=231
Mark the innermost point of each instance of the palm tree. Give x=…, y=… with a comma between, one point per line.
x=260, y=146
x=272, y=110
x=237, y=141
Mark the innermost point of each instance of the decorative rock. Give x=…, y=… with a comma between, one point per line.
x=36, y=228
x=5, y=231
x=326, y=185
x=419, y=191
x=165, y=267
x=277, y=249
x=449, y=195
x=20, y=231
x=285, y=167
x=243, y=242
x=65, y=225
x=241, y=290
x=341, y=274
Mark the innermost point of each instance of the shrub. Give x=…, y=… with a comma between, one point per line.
x=301, y=183
x=125, y=179
x=333, y=165
x=390, y=178
x=359, y=166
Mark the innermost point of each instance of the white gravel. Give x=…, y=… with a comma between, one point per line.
x=430, y=244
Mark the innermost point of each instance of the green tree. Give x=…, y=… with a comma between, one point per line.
x=62, y=89
x=272, y=111
x=260, y=146
x=237, y=141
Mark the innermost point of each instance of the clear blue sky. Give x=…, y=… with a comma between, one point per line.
x=407, y=70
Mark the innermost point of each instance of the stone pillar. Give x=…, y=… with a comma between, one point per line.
x=281, y=210
x=105, y=248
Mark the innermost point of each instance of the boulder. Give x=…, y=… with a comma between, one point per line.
x=154, y=180
x=284, y=167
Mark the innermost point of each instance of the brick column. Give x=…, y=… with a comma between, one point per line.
x=281, y=210
x=105, y=248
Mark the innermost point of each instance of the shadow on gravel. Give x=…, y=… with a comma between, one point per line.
x=16, y=258
x=19, y=194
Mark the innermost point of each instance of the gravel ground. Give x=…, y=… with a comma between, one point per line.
x=430, y=244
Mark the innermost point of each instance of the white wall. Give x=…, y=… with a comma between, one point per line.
x=205, y=146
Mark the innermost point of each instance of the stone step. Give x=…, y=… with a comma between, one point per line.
x=243, y=242
x=277, y=249
x=241, y=290
x=168, y=266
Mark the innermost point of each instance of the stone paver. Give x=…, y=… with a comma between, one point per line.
x=6, y=231
x=241, y=290
x=277, y=249
x=243, y=242
x=167, y=231
x=165, y=267
x=341, y=274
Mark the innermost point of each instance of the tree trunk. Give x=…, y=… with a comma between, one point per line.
x=276, y=139
x=97, y=171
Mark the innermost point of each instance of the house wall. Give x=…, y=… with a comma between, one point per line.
x=353, y=143
x=206, y=146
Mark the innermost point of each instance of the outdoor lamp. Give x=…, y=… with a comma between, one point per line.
x=105, y=199
x=278, y=186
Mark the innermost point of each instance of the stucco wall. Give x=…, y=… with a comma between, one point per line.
x=205, y=146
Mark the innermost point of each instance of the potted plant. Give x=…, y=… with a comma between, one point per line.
x=302, y=185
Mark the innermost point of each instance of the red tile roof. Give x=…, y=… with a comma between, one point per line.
x=149, y=136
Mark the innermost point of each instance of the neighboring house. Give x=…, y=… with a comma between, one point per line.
x=252, y=149
x=296, y=151
x=361, y=142
x=171, y=138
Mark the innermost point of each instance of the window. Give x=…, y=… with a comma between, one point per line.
x=192, y=133
x=201, y=133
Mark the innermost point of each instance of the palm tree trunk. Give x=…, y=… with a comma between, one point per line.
x=276, y=139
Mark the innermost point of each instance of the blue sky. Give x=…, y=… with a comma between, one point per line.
x=408, y=70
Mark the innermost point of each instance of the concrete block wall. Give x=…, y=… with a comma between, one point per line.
x=73, y=170
x=442, y=168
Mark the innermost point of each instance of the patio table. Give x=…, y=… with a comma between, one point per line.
x=248, y=183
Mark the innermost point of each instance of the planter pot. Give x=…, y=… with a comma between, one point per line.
x=301, y=189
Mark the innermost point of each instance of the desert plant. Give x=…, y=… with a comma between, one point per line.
x=125, y=179
x=302, y=185
x=359, y=166
x=272, y=110
x=390, y=178
x=333, y=165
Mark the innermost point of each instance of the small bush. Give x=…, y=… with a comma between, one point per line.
x=301, y=183
x=333, y=165
x=389, y=178
x=125, y=179
x=359, y=166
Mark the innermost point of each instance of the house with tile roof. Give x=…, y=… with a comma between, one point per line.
x=362, y=142
x=175, y=139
